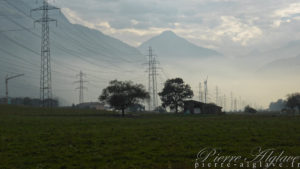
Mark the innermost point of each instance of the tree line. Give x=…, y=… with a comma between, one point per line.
x=289, y=105
x=123, y=94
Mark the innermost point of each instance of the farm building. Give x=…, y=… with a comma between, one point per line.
x=92, y=105
x=195, y=107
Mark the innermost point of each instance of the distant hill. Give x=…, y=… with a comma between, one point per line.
x=168, y=44
x=289, y=66
x=73, y=48
x=65, y=36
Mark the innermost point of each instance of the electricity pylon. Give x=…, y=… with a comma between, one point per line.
x=217, y=95
x=45, y=76
x=6, y=83
x=152, y=80
x=205, y=90
x=235, y=105
x=81, y=86
x=231, y=101
x=200, y=93
x=225, y=102
x=240, y=103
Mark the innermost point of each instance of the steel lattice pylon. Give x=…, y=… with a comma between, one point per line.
x=45, y=76
x=81, y=87
x=152, y=80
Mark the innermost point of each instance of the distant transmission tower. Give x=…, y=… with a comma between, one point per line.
x=225, y=102
x=240, y=104
x=45, y=79
x=81, y=87
x=152, y=80
x=149, y=77
x=200, y=93
x=217, y=95
x=235, y=105
x=205, y=90
x=231, y=101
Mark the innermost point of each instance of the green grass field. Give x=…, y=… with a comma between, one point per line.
x=32, y=138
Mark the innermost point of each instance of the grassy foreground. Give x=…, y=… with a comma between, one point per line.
x=33, y=138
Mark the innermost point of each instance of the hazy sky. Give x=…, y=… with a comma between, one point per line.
x=220, y=24
x=249, y=33
x=235, y=28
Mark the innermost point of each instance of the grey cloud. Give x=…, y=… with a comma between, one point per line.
x=200, y=18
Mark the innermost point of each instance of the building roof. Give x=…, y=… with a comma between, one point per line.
x=201, y=103
x=91, y=104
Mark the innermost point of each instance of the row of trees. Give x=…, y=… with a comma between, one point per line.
x=291, y=103
x=288, y=106
x=123, y=94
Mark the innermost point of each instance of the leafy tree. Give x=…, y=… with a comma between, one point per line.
x=293, y=101
x=174, y=92
x=249, y=109
x=121, y=95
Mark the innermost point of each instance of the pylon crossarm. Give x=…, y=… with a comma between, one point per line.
x=45, y=20
x=41, y=8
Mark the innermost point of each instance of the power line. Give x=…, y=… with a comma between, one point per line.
x=12, y=30
x=65, y=50
x=33, y=65
x=72, y=39
x=62, y=48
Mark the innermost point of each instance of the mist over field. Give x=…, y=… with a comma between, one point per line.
x=249, y=48
x=124, y=84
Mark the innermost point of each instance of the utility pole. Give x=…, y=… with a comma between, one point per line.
x=45, y=76
x=6, y=84
x=81, y=87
